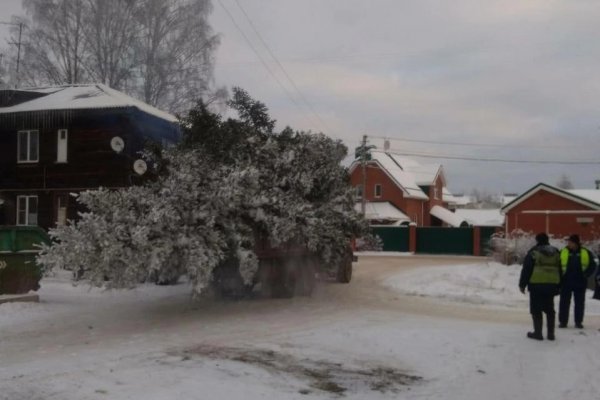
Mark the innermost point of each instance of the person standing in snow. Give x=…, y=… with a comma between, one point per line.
x=577, y=265
x=541, y=274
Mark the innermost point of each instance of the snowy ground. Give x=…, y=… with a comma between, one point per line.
x=357, y=341
x=487, y=283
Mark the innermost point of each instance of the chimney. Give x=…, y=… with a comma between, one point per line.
x=597, y=184
x=386, y=147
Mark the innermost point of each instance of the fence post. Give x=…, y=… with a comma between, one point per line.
x=412, y=237
x=476, y=241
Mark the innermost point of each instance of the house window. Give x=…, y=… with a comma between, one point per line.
x=359, y=191
x=378, y=190
x=61, y=145
x=28, y=146
x=436, y=193
x=61, y=209
x=27, y=210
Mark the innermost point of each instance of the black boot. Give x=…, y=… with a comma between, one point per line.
x=537, y=328
x=550, y=319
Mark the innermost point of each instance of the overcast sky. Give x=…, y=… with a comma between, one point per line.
x=523, y=73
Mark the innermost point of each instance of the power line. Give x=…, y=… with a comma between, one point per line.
x=496, y=160
x=362, y=57
x=287, y=75
x=464, y=143
x=263, y=61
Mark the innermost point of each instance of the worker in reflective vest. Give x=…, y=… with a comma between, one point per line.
x=577, y=265
x=541, y=274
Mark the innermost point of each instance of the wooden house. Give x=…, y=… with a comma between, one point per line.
x=55, y=141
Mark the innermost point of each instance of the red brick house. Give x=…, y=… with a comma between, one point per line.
x=401, y=190
x=545, y=208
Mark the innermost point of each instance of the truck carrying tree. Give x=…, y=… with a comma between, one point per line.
x=235, y=204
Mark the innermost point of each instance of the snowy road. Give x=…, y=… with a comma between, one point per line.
x=362, y=341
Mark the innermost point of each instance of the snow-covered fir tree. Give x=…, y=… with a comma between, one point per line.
x=228, y=183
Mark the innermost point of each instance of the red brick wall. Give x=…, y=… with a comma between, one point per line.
x=389, y=192
x=417, y=211
x=433, y=201
x=558, y=224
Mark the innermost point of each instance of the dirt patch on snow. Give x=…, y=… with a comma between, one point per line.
x=319, y=375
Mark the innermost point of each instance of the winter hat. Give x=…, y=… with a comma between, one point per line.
x=542, y=239
x=575, y=239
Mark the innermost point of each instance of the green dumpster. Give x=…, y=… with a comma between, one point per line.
x=19, y=272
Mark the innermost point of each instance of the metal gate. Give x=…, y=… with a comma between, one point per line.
x=395, y=238
x=438, y=240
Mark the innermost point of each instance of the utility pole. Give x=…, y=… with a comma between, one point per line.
x=19, y=44
x=19, y=54
x=362, y=153
x=363, y=162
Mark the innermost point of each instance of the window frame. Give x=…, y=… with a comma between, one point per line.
x=62, y=202
x=29, y=159
x=58, y=143
x=380, y=187
x=27, y=206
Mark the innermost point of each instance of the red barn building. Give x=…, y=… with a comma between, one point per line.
x=545, y=208
x=400, y=190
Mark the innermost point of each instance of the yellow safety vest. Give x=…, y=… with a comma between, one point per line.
x=584, y=254
x=545, y=269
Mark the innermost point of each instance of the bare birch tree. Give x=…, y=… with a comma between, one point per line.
x=176, y=52
x=564, y=182
x=160, y=51
x=54, y=42
x=110, y=37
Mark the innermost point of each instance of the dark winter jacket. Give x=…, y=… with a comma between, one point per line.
x=549, y=252
x=575, y=276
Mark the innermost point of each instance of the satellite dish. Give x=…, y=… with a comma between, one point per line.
x=140, y=167
x=117, y=144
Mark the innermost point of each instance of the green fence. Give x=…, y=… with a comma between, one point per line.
x=486, y=235
x=395, y=238
x=436, y=240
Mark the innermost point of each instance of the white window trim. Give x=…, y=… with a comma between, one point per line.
x=377, y=196
x=26, y=210
x=436, y=193
x=58, y=139
x=28, y=161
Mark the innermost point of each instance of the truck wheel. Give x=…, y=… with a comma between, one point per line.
x=285, y=285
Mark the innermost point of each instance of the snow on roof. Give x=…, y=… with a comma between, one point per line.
x=587, y=197
x=424, y=174
x=588, y=194
x=462, y=200
x=449, y=197
x=404, y=179
x=81, y=97
x=382, y=210
x=447, y=216
x=482, y=217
